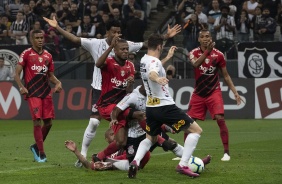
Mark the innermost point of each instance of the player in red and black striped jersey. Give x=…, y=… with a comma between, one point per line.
x=38, y=68
x=117, y=80
x=208, y=62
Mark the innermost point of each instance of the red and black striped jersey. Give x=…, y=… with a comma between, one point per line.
x=36, y=68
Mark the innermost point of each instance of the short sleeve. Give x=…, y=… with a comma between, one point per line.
x=134, y=46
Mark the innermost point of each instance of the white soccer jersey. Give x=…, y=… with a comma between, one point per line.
x=96, y=47
x=157, y=95
x=136, y=100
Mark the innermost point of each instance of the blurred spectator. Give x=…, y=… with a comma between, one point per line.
x=114, y=4
x=202, y=18
x=129, y=8
x=3, y=31
x=255, y=21
x=52, y=41
x=101, y=29
x=86, y=29
x=29, y=16
x=132, y=58
x=266, y=27
x=272, y=5
x=62, y=14
x=57, y=5
x=170, y=73
x=233, y=8
x=73, y=17
x=83, y=8
x=250, y=7
x=279, y=22
x=42, y=9
x=95, y=18
x=243, y=25
x=5, y=72
x=135, y=28
x=35, y=26
x=186, y=7
x=19, y=29
x=224, y=26
x=212, y=15
x=2, y=10
x=32, y=4
x=69, y=48
x=191, y=32
x=13, y=8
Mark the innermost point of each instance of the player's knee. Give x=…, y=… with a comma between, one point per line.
x=94, y=122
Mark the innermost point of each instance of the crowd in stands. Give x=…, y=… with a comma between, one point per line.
x=230, y=21
x=83, y=18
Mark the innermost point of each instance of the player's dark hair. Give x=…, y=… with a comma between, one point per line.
x=155, y=40
x=112, y=23
x=35, y=31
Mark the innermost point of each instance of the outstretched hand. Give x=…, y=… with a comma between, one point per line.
x=70, y=145
x=171, y=52
x=171, y=32
x=52, y=23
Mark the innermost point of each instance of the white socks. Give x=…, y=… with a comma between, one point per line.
x=89, y=135
x=143, y=148
x=189, y=147
x=178, y=151
x=122, y=165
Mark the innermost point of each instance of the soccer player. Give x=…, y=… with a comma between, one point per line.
x=38, y=68
x=97, y=47
x=161, y=108
x=208, y=62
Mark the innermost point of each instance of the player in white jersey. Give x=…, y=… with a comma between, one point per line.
x=160, y=108
x=96, y=47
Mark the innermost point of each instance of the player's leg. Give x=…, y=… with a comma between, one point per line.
x=216, y=108
x=179, y=121
x=35, y=107
x=90, y=131
x=196, y=109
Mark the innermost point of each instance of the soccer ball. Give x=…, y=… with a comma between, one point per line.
x=196, y=165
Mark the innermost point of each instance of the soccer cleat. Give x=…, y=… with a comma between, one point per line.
x=186, y=171
x=225, y=157
x=206, y=160
x=42, y=158
x=78, y=164
x=95, y=158
x=35, y=152
x=133, y=168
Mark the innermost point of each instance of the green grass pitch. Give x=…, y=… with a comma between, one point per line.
x=255, y=148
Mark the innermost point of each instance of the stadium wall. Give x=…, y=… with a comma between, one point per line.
x=263, y=99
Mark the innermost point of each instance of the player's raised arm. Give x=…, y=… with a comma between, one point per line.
x=169, y=54
x=66, y=34
x=171, y=32
x=101, y=61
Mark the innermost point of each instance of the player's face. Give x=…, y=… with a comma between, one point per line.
x=38, y=39
x=204, y=38
x=121, y=51
x=114, y=31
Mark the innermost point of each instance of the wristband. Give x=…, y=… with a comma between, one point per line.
x=206, y=53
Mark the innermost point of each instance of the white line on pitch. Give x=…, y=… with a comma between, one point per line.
x=25, y=169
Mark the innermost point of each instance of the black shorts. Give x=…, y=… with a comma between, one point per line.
x=170, y=115
x=132, y=146
x=94, y=100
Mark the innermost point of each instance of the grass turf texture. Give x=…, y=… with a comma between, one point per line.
x=255, y=148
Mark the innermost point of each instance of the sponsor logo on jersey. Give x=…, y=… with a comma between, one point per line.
x=122, y=73
x=179, y=124
x=42, y=69
x=40, y=59
x=118, y=82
